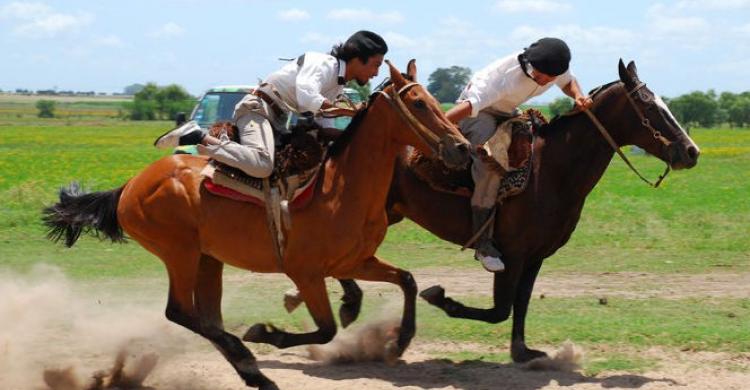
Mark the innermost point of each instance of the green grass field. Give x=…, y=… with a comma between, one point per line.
x=698, y=222
x=21, y=108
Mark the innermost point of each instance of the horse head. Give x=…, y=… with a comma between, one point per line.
x=659, y=132
x=427, y=127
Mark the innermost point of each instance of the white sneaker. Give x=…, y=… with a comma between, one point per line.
x=490, y=263
x=171, y=139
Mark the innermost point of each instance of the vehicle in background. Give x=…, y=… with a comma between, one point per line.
x=217, y=105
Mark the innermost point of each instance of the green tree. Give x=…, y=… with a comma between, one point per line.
x=173, y=99
x=132, y=89
x=154, y=102
x=696, y=108
x=446, y=83
x=46, y=108
x=738, y=112
x=560, y=106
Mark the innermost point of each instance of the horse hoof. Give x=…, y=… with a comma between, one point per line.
x=268, y=386
x=524, y=355
x=257, y=333
x=434, y=295
x=348, y=314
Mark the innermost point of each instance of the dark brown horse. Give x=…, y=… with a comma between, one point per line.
x=166, y=209
x=570, y=156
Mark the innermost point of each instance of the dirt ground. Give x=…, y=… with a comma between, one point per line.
x=187, y=362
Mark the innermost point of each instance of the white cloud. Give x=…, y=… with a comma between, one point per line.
x=668, y=23
x=36, y=20
x=745, y=29
x=317, y=38
x=713, y=4
x=108, y=41
x=532, y=6
x=399, y=41
x=581, y=39
x=169, y=30
x=293, y=15
x=365, y=15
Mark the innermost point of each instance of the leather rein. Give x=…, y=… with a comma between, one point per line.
x=422, y=132
x=644, y=122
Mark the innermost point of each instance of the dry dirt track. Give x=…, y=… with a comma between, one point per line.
x=187, y=362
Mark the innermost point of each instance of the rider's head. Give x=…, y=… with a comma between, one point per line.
x=550, y=57
x=363, y=53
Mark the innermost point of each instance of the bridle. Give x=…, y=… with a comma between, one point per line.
x=422, y=132
x=644, y=122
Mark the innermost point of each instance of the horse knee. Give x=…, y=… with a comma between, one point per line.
x=498, y=315
x=408, y=284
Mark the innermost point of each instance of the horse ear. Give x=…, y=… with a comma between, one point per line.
x=633, y=72
x=625, y=75
x=411, y=69
x=396, y=77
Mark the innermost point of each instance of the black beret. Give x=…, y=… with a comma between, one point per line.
x=549, y=55
x=368, y=42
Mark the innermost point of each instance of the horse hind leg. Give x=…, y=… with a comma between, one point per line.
x=315, y=296
x=195, y=303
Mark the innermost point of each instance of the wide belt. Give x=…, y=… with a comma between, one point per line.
x=277, y=111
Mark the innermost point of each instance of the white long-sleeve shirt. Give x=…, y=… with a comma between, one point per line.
x=503, y=86
x=304, y=88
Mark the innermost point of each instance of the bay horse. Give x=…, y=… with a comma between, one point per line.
x=167, y=210
x=570, y=157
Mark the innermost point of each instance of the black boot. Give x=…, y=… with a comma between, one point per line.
x=486, y=252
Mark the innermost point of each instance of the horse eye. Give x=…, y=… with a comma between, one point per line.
x=420, y=104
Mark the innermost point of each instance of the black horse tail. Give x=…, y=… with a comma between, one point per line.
x=80, y=212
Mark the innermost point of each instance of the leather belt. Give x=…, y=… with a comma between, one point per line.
x=277, y=111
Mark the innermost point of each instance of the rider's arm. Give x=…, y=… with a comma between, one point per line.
x=459, y=111
x=573, y=90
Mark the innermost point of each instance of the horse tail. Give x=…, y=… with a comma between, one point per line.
x=80, y=212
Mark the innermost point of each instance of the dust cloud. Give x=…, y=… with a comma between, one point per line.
x=60, y=336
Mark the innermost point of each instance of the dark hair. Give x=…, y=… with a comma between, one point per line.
x=362, y=44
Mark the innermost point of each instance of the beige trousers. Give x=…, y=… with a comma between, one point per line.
x=254, y=154
x=486, y=181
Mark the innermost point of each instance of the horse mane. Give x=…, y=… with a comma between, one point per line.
x=341, y=143
x=560, y=119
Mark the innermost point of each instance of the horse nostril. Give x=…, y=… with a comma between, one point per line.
x=462, y=147
x=693, y=152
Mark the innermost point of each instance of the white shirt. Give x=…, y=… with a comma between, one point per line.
x=503, y=86
x=304, y=88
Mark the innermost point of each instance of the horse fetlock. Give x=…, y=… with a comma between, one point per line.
x=292, y=300
x=434, y=295
x=408, y=284
x=349, y=312
x=263, y=333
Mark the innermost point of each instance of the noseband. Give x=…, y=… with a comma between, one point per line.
x=422, y=132
x=644, y=122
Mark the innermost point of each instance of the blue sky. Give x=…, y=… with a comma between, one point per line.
x=678, y=45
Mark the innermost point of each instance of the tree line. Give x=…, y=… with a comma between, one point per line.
x=705, y=109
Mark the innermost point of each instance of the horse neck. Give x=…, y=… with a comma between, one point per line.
x=365, y=168
x=574, y=155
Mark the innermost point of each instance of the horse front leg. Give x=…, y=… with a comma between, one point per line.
x=350, y=307
x=313, y=292
x=374, y=269
x=352, y=302
x=518, y=349
x=503, y=294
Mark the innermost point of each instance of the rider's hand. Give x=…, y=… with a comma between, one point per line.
x=583, y=103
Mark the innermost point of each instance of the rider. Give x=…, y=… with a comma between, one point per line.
x=492, y=97
x=309, y=84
